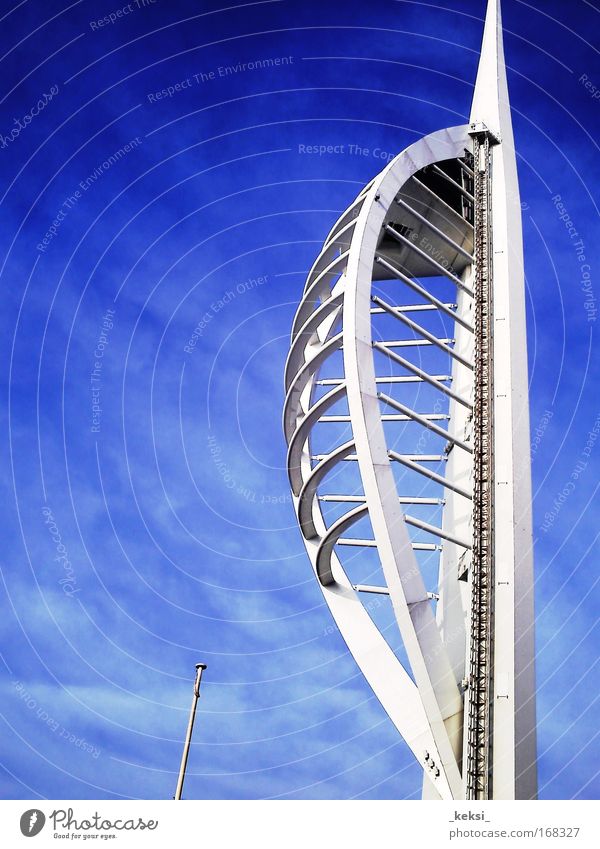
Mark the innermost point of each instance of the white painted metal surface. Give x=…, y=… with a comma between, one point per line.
x=514, y=764
x=388, y=322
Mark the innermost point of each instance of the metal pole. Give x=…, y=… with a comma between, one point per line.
x=200, y=667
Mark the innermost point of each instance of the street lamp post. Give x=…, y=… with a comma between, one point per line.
x=200, y=667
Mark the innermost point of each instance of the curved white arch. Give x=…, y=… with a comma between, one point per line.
x=440, y=703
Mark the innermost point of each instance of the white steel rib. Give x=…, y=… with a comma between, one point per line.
x=406, y=389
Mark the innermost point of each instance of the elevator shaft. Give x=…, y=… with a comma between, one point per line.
x=480, y=653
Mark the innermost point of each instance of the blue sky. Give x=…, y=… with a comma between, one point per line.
x=157, y=530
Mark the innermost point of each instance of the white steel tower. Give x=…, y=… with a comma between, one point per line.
x=407, y=421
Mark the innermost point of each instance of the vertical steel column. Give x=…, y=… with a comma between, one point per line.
x=479, y=693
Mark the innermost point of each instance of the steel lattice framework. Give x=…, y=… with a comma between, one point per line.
x=406, y=417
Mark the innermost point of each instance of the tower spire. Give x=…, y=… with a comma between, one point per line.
x=447, y=205
x=490, y=100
